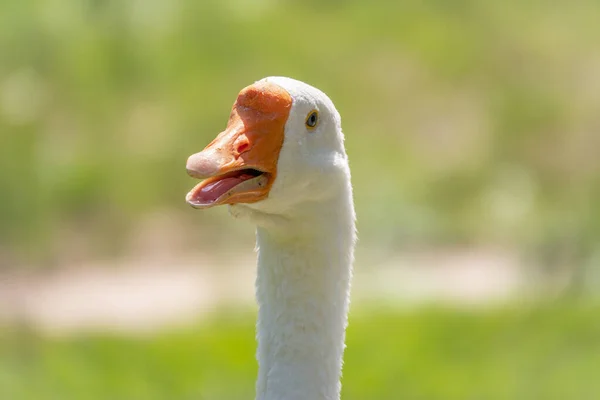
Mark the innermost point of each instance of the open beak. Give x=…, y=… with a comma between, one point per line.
x=240, y=164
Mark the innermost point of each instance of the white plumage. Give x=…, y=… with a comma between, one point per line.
x=305, y=242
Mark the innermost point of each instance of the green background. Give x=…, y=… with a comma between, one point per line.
x=468, y=124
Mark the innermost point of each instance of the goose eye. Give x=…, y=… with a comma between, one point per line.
x=312, y=119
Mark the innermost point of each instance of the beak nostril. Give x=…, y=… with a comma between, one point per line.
x=242, y=147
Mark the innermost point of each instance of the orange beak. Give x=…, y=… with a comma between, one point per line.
x=240, y=164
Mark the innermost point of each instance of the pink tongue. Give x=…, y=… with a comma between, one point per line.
x=211, y=192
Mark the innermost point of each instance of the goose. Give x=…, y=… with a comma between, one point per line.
x=281, y=164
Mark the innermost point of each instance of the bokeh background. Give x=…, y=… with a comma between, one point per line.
x=473, y=130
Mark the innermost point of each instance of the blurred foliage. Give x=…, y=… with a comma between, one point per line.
x=467, y=121
x=547, y=353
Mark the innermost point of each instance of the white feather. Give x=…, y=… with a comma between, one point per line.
x=305, y=243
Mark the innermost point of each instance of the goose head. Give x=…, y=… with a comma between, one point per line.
x=283, y=147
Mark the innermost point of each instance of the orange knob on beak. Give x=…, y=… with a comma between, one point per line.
x=240, y=164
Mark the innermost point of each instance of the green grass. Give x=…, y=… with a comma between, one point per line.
x=552, y=352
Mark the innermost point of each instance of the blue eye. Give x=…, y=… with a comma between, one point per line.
x=312, y=119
